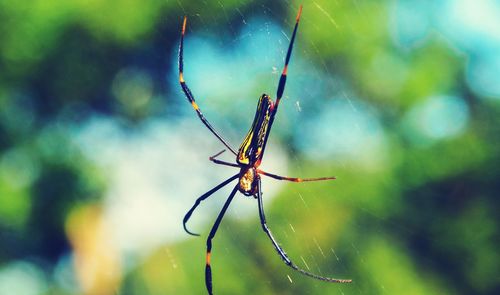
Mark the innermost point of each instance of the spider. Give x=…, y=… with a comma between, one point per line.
x=248, y=160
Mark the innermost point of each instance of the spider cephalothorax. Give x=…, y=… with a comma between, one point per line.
x=249, y=180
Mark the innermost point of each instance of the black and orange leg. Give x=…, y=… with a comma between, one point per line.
x=294, y=179
x=282, y=82
x=208, y=269
x=203, y=197
x=188, y=93
x=280, y=250
x=220, y=162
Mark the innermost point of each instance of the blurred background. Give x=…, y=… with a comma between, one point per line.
x=101, y=155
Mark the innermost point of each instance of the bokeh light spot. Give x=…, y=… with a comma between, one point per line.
x=438, y=117
x=22, y=278
x=483, y=76
x=409, y=23
x=345, y=129
x=133, y=88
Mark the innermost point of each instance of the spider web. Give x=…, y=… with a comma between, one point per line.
x=227, y=72
x=101, y=155
x=325, y=126
x=320, y=120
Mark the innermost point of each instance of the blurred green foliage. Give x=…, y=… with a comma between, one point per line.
x=422, y=220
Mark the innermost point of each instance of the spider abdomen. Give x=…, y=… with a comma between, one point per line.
x=252, y=147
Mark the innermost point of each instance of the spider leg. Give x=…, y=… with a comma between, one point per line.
x=282, y=82
x=203, y=197
x=217, y=161
x=188, y=93
x=208, y=269
x=294, y=179
x=280, y=251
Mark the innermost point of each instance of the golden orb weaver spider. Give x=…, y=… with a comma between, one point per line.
x=248, y=159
